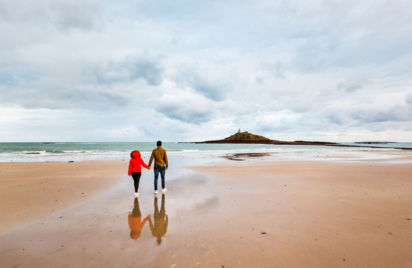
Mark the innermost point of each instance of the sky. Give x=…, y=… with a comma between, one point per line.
x=182, y=70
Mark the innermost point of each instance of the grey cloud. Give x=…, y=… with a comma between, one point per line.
x=397, y=113
x=351, y=85
x=211, y=88
x=335, y=119
x=260, y=80
x=43, y=88
x=64, y=98
x=185, y=106
x=276, y=69
x=12, y=74
x=129, y=70
x=184, y=113
x=346, y=35
x=409, y=99
x=266, y=129
x=7, y=79
x=71, y=15
x=61, y=14
x=77, y=85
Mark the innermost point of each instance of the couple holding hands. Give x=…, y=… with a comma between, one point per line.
x=160, y=165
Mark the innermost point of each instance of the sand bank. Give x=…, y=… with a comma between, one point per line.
x=32, y=190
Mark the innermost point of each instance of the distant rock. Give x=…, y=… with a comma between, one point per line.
x=249, y=138
x=374, y=142
x=246, y=137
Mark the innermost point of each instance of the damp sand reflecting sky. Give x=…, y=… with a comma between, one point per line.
x=96, y=231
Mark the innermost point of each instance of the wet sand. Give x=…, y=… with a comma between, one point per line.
x=234, y=214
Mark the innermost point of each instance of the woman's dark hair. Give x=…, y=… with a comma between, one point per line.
x=159, y=143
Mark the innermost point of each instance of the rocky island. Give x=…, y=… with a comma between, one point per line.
x=246, y=137
x=249, y=138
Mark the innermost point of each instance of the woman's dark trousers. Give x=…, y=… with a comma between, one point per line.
x=136, y=178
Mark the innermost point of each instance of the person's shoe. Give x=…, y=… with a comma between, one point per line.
x=136, y=194
x=164, y=190
x=155, y=193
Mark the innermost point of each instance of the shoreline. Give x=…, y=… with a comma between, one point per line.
x=326, y=144
x=67, y=154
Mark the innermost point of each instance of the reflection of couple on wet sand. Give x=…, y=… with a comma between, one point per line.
x=158, y=228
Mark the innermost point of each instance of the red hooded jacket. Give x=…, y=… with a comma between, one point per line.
x=136, y=163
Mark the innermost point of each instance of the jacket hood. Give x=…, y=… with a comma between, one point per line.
x=135, y=154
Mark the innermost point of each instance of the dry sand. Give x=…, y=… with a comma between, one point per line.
x=32, y=190
x=316, y=214
x=272, y=214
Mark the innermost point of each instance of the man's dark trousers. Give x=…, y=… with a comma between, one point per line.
x=159, y=169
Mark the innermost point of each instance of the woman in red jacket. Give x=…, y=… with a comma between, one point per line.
x=135, y=169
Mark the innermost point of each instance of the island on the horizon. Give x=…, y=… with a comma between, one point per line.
x=247, y=137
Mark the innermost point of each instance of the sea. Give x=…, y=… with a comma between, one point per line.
x=84, y=151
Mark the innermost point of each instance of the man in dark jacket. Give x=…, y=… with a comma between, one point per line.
x=160, y=165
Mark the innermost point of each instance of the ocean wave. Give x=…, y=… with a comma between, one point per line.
x=42, y=152
x=55, y=151
x=28, y=152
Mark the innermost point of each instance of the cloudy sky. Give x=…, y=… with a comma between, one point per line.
x=96, y=70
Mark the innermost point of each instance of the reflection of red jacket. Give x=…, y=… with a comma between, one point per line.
x=136, y=226
x=135, y=164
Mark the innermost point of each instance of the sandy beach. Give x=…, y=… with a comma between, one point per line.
x=281, y=129
x=30, y=190
x=232, y=214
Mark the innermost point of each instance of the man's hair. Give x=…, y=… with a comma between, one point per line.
x=159, y=143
